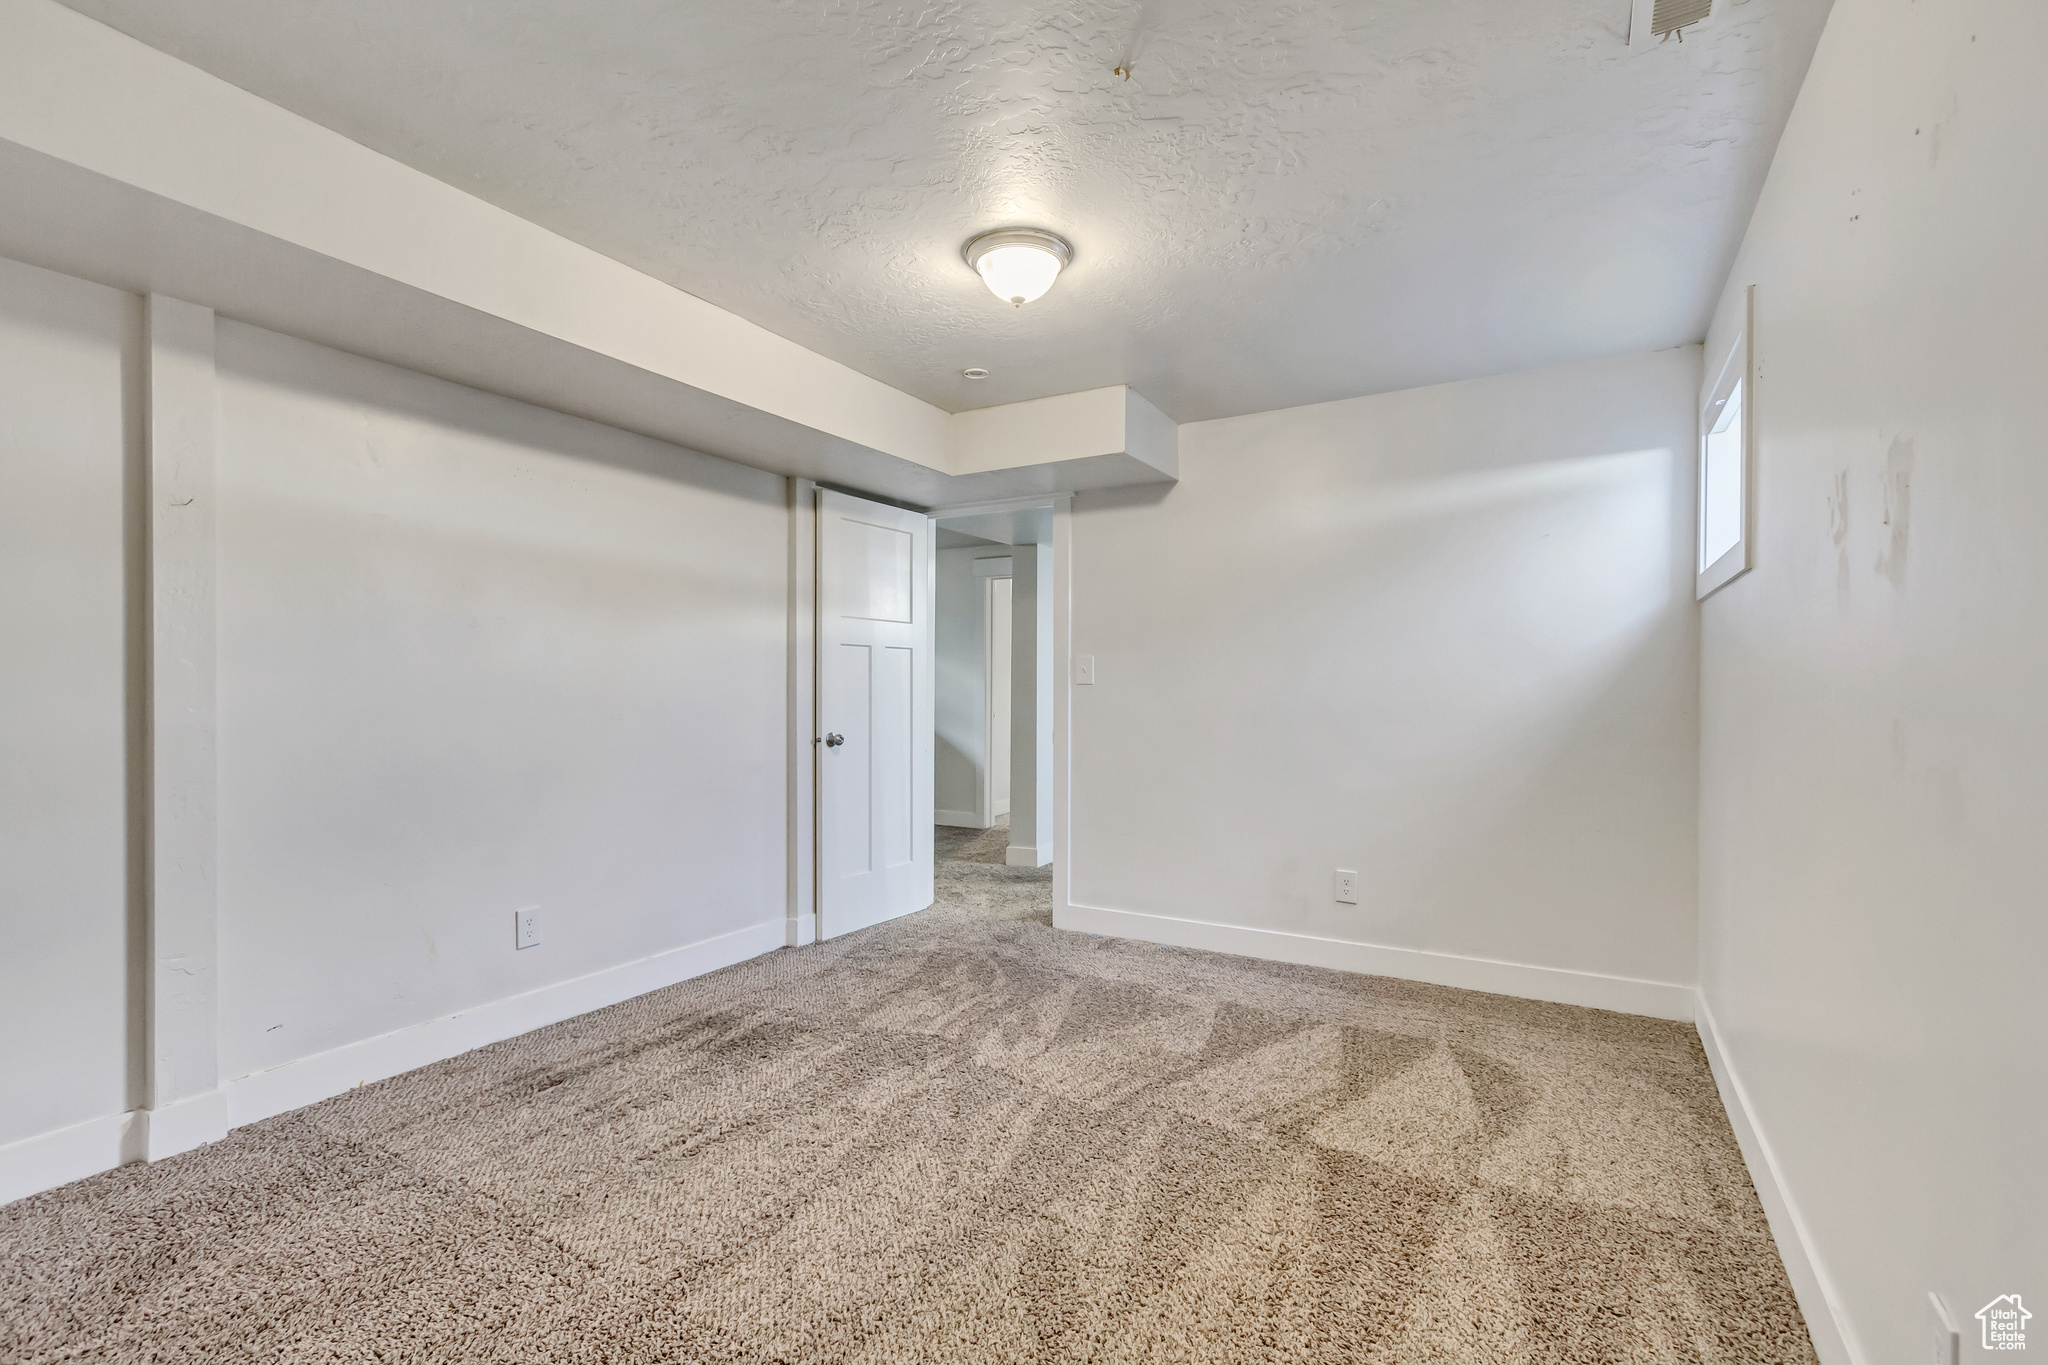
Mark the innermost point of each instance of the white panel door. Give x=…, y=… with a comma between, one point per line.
x=874, y=713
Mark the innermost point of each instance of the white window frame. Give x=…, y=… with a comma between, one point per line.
x=1735, y=370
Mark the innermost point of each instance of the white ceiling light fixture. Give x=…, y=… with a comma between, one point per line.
x=1018, y=264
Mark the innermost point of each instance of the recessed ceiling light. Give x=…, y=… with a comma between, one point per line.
x=1018, y=264
x=975, y=373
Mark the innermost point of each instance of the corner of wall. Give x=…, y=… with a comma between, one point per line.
x=1811, y=1286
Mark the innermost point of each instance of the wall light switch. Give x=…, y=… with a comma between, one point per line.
x=1347, y=887
x=1084, y=669
x=528, y=921
x=1945, y=1339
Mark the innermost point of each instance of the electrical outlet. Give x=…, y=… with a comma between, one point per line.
x=1084, y=670
x=527, y=925
x=1945, y=1339
x=1347, y=887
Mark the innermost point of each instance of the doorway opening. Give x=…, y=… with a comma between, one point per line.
x=993, y=693
x=924, y=721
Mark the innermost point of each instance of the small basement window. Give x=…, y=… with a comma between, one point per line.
x=1721, y=481
x=1724, y=471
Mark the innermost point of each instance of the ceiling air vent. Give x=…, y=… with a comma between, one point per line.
x=1653, y=21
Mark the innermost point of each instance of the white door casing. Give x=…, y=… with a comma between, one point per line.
x=875, y=738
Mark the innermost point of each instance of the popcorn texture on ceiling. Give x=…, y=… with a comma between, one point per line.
x=1284, y=203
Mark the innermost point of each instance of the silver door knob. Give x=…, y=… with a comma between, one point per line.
x=834, y=741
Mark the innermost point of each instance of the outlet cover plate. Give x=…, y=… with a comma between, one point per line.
x=1346, y=887
x=526, y=926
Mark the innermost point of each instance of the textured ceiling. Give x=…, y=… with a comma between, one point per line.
x=1285, y=203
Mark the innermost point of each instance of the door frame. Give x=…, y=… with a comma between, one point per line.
x=802, y=890
x=803, y=735
x=1062, y=505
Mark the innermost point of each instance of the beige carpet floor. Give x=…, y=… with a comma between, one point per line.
x=961, y=1137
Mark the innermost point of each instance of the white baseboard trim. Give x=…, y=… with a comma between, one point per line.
x=62, y=1155
x=1019, y=855
x=325, y=1074
x=178, y=1126
x=1832, y=1341
x=47, y=1160
x=959, y=819
x=800, y=930
x=1622, y=994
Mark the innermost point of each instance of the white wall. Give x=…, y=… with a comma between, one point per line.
x=476, y=656
x=1444, y=637
x=1874, y=739
x=472, y=656
x=68, y=352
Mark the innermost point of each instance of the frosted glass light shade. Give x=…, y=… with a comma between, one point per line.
x=1018, y=274
x=1018, y=264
